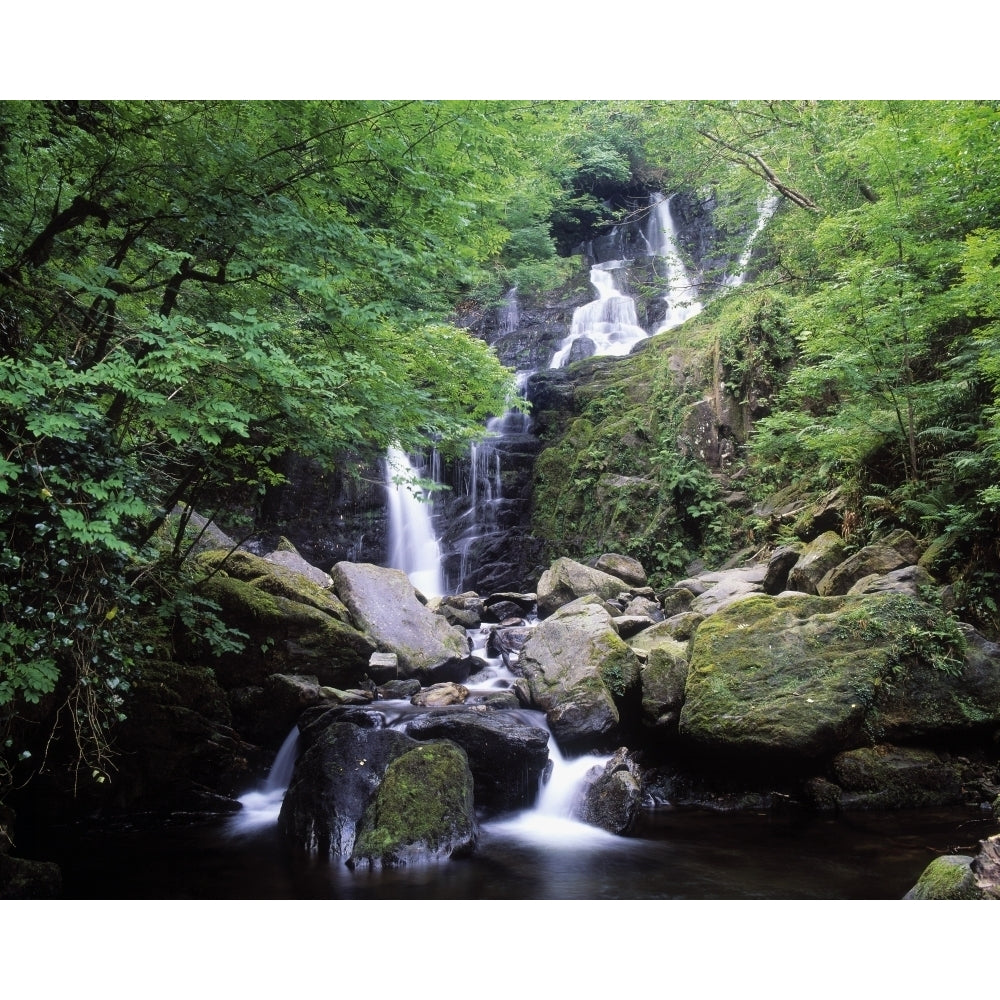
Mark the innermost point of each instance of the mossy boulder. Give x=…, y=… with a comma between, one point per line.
x=612, y=795
x=663, y=676
x=293, y=625
x=578, y=671
x=506, y=756
x=947, y=877
x=566, y=580
x=818, y=557
x=779, y=675
x=627, y=569
x=334, y=780
x=423, y=810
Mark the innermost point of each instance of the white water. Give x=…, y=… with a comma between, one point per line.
x=413, y=545
x=261, y=808
x=609, y=322
x=681, y=296
x=766, y=207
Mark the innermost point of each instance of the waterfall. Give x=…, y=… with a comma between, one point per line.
x=681, y=295
x=510, y=313
x=609, y=323
x=413, y=545
x=766, y=207
x=261, y=808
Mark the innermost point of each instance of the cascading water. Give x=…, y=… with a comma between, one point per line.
x=413, y=545
x=681, y=297
x=609, y=323
x=766, y=207
x=261, y=808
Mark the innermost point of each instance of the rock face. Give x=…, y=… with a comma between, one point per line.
x=578, y=671
x=423, y=810
x=384, y=605
x=507, y=757
x=565, y=580
x=334, y=781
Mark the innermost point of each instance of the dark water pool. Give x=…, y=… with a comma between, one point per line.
x=674, y=854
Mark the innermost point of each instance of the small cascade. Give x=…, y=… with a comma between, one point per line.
x=413, y=545
x=609, y=323
x=261, y=808
x=766, y=207
x=681, y=296
x=510, y=314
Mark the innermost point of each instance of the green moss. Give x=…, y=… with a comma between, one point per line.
x=424, y=803
x=948, y=877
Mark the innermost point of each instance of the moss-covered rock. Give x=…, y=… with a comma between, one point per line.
x=293, y=625
x=423, y=810
x=578, y=671
x=663, y=676
x=818, y=557
x=947, y=877
x=872, y=559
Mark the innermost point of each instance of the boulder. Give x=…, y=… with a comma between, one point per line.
x=947, y=877
x=727, y=586
x=957, y=698
x=612, y=795
x=423, y=810
x=872, y=559
x=907, y=580
x=646, y=607
x=817, y=559
x=578, y=671
x=905, y=544
x=507, y=755
x=663, y=676
x=335, y=779
x=292, y=625
x=779, y=566
x=986, y=867
x=566, y=580
x=384, y=605
x=791, y=677
x=264, y=713
x=891, y=777
x=625, y=568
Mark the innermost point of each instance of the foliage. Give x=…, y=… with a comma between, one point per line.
x=189, y=290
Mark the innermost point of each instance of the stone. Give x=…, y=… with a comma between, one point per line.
x=439, y=695
x=566, y=580
x=334, y=780
x=383, y=667
x=891, y=777
x=423, y=810
x=612, y=795
x=779, y=565
x=578, y=668
x=817, y=559
x=947, y=877
x=663, y=676
x=507, y=756
x=907, y=580
x=384, y=606
x=727, y=587
x=627, y=569
x=872, y=559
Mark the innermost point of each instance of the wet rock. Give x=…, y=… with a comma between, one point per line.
x=612, y=795
x=578, y=669
x=394, y=690
x=890, y=777
x=334, y=780
x=423, y=810
x=507, y=756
